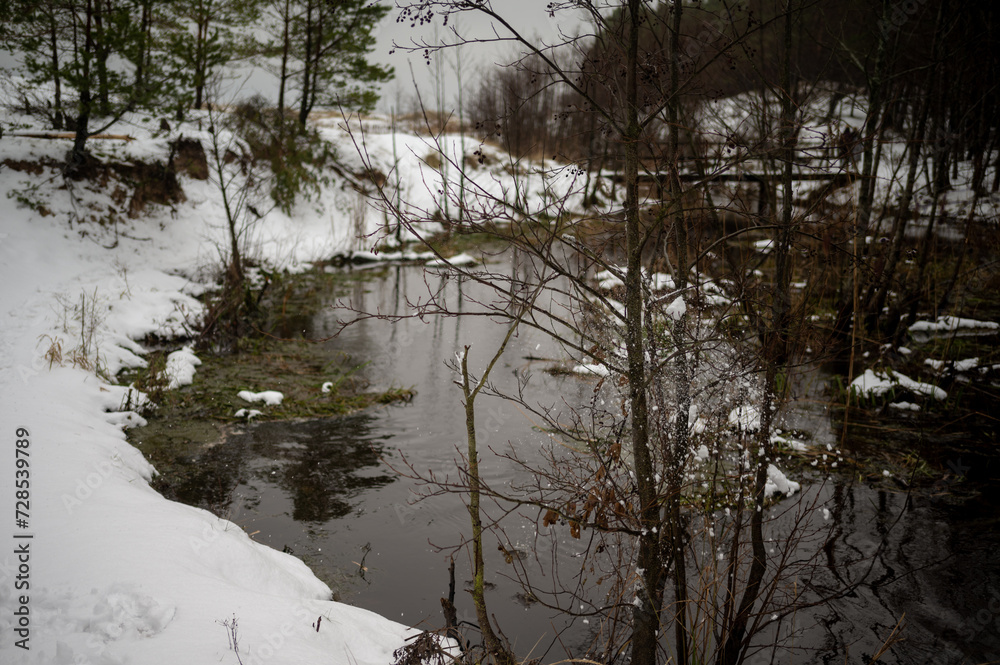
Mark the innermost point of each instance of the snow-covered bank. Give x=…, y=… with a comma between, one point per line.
x=112, y=572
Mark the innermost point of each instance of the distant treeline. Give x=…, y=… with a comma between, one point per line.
x=915, y=59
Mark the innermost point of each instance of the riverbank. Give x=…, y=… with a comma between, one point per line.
x=115, y=573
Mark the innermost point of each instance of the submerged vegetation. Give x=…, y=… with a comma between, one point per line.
x=315, y=380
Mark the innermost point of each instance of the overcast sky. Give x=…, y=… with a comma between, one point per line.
x=527, y=16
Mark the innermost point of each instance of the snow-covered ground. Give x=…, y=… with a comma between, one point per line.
x=113, y=572
x=110, y=572
x=102, y=569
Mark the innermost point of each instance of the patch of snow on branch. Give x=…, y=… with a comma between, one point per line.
x=778, y=483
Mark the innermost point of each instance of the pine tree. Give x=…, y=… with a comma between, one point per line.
x=321, y=48
x=205, y=36
x=89, y=51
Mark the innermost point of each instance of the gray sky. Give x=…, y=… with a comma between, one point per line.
x=527, y=16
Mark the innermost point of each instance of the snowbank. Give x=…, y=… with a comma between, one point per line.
x=114, y=573
x=458, y=261
x=180, y=369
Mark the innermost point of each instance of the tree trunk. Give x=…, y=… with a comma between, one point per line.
x=145, y=28
x=307, y=69
x=501, y=655
x=680, y=444
x=58, y=121
x=775, y=342
x=201, y=55
x=79, y=152
x=101, y=52
x=285, y=47
x=646, y=615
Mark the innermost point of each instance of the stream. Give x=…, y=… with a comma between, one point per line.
x=324, y=490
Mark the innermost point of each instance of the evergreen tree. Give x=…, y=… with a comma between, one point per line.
x=89, y=52
x=321, y=48
x=206, y=35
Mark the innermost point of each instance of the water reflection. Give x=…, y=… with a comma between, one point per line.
x=317, y=487
x=321, y=466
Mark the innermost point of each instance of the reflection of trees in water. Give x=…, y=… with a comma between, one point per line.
x=930, y=556
x=320, y=463
x=207, y=480
x=317, y=463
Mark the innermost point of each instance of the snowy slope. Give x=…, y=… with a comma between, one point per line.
x=115, y=573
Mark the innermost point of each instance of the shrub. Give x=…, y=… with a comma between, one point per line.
x=296, y=156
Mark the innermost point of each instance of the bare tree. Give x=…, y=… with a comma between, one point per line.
x=668, y=471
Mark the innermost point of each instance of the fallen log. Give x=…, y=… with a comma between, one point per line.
x=70, y=135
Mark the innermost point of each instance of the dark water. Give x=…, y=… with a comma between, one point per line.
x=325, y=491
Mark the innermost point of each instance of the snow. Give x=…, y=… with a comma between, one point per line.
x=592, y=368
x=660, y=281
x=180, y=368
x=607, y=280
x=249, y=414
x=269, y=397
x=676, y=309
x=406, y=255
x=745, y=418
x=118, y=574
x=959, y=366
x=795, y=444
x=778, y=483
x=876, y=384
x=952, y=323
x=458, y=261
x=611, y=279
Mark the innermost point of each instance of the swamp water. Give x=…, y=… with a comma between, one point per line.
x=323, y=490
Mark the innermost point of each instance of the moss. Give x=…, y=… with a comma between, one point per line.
x=190, y=418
